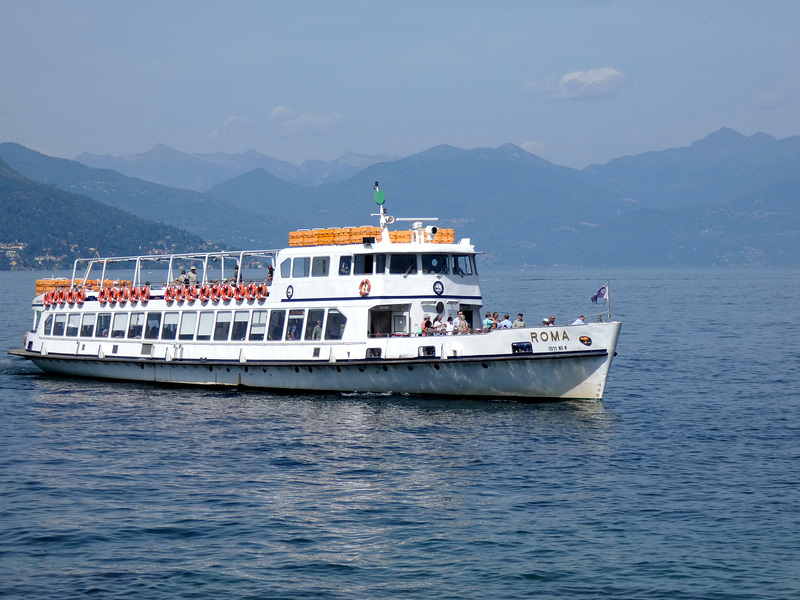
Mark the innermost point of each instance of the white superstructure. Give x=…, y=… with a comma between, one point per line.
x=339, y=310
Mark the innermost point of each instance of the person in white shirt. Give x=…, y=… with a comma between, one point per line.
x=579, y=321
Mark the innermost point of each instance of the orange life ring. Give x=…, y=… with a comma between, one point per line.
x=144, y=295
x=252, y=291
x=134, y=295
x=205, y=292
x=71, y=296
x=113, y=295
x=124, y=294
x=263, y=291
x=191, y=293
x=364, y=287
x=227, y=292
x=101, y=297
x=57, y=297
x=241, y=292
x=180, y=293
x=48, y=298
x=215, y=291
x=169, y=294
x=80, y=297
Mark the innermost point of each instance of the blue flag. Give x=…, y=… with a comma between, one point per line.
x=600, y=295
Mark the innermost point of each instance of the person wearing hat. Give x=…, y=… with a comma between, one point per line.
x=519, y=322
x=192, y=276
x=545, y=322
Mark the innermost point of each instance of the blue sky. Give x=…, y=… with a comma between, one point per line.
x=574, y=82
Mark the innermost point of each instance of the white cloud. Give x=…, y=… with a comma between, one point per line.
x=307, y=121
x=594, y=83
x=227, y=128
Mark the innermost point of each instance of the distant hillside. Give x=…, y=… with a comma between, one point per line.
x=201, y=172
x=45, y=227
x=203, y=215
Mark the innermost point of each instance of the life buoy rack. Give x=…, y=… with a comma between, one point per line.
x=364, y=288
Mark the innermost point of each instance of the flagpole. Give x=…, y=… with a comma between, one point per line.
x=608, y=297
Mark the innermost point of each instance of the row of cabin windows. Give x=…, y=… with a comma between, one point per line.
x=370, y=264
x=222, y=325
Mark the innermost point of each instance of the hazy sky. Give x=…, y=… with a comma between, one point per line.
x=574, y=82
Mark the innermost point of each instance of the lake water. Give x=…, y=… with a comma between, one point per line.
x=682, y=484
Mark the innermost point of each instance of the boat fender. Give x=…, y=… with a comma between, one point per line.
x=144, y=294
x=364, y=287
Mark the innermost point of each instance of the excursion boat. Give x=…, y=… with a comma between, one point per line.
x=339, y=310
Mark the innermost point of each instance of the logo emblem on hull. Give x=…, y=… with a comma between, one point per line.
x=438, y=288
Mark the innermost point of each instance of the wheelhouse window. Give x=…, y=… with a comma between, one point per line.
x=403, y=264
x=367, y=264
x=258, y=327
x=188, y=323
x=239, y=330
x=301, y=266
x=314, y=324
x=73, y=324
x=320, y=265
x=435, y=264
x=286, y=268
x=276, y=320
x=103, y=325
x=345, y=265
x=463, y=265
x=60, y=324
x=206, y=326
x=153, y=325
x=334, y=328
x=222, y=326
x=136, y=326
x=169, y=330
x=119, y=326
x=87, y=326
x=295, y=324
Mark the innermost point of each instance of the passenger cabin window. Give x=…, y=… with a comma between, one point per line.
x=222, y=326
x=239, y=330
x=73, y=324
x=320, y=265
x=136, y=326
x=152, y=326
x=295, y=324
x=119, y=326
x=103, y=325
x=276, y=320
x=60, y=324
x=314, y=324
x=206, y=326
x=334, y=328
x=188, y=323
x=48, y=325
x=435, y=264
x=87, y=327
x=344, y=265
x=286, y=268
x=169, y=330
x=403, y=264
x=462, y=265
x=301, y=266
x=259, y=325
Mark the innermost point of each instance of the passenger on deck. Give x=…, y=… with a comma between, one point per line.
x=316, y=333
x=505, y=323
x=579, y=321
x=182, y=279
x=552, y=322
x=449, y=328
x=519, y=322
x=488, y=322
x=192, y=277
x=437, y=326
x=237, y=277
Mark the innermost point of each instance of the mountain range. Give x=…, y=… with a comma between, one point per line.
x=727, y=199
